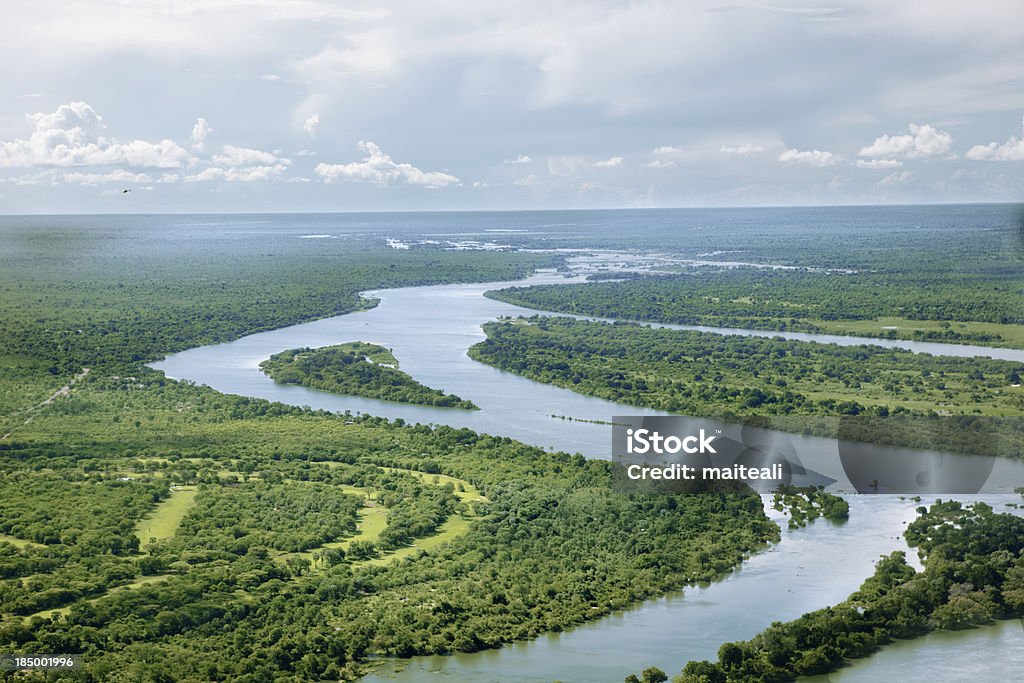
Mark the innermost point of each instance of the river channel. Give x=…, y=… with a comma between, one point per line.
x=429, y=330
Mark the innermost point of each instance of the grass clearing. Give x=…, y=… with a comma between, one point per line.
x=1011, y=335
x=465, y=491
x=373, y=519
x=19, y=542
x=453, y=527
x=164, y=521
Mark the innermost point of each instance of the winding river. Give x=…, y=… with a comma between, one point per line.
x=429, y=329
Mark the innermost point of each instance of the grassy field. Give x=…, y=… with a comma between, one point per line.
x=373, y=520
x=1011, y=335
x=455, y=526
x=19, y=542
x=163, y=522
x=466, y=492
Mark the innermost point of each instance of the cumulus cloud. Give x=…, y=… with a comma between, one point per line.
x=200, y=132
x=74, y=135
x=245, y=156
x=379, y=168
x=742, y=150
x=311, y=124
x=813, y=157
x=660, y=163
x=247, y=174
x=879, y=163
x=1011, y=150
x=922, y=141
x=613, y=162
x=521, y=159
x=240, y=165
x=666, y=150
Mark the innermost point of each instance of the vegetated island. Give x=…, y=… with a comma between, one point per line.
x=897, y=397
x=356, y=369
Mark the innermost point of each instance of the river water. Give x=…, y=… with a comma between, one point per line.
x=430, y=328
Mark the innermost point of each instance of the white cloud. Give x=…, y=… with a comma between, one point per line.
x=813, y=157
x=200, y=132
x=311, y=124
x=922, y=141
x=659, y=163
x=1011, y=150
x=613, y=162
x=74, y=135
x=667, y=150
x=379, y=168
x=245, y=156
x=742, y=150
x=118, y=176
x=879, y=163
x=247, y=174
x=521, y=159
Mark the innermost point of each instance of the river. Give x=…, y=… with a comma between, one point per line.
x=430, y=328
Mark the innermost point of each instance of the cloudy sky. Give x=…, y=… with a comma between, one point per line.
x=313, y=105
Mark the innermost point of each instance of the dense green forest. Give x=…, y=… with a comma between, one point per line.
x=550, y=546
x=356, y=369
x=973, y=573
x=984, y=306
x=731, y=376
x=166, y=531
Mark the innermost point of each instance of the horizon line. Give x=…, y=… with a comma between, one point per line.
x=519, y=210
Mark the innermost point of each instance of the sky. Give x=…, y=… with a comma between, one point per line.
x=309, y=105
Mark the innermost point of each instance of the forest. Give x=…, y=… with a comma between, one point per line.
x=165, y=531
x=227, y=597
x=356, y=369
x=960, y=284
x=898, y=397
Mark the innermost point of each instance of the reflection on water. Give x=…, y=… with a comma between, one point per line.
x=989, y=653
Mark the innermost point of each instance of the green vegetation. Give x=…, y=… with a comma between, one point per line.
x=806, y=505
x=725, y=376
x=973, y=573
x=313, y=541
x=970, y=310
x=356, y=369
x=164, y=521
x=958, y=285
x=169, y=532
x=536, y=542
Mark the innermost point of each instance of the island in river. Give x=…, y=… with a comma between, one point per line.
x=357, y=369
